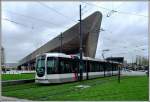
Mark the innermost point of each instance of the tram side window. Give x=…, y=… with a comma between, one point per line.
x=109, y=67
x=117, y=67
x=65, y=66
x=75, y=65
x=101, y=67
x=94, y=67
x=97, y=67
x=106, y=67
x=62, y=67
x=114, y=67
x=91, y=67
x=51, y=66
x=68, y=67
x=84, y=66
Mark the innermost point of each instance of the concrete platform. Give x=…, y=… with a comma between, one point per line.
x=4, y=99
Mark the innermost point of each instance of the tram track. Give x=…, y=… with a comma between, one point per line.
x=73, y=89
x=28, y=85
x=91, y=82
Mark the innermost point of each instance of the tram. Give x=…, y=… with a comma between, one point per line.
x=60, y=68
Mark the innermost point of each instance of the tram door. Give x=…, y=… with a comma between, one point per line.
x=87, y=69
x=108, y=69
x=80, y=69
x=76, y=69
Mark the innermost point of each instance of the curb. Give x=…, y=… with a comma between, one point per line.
x=14, y=82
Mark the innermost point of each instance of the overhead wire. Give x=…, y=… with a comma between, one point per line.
x=113, y=11
x=135, y=47
x=56, y=11
x=18, y=23
x=117, y=11
x=33, y=18
x=14, y=22
x=53, y=10
x=83, y=9
x=28, y=17
x=38, y=19
x=46, y=6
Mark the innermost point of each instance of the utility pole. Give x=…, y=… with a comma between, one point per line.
x=81, y=48
x=132, y=63
x=61, y=38
x=119, y=74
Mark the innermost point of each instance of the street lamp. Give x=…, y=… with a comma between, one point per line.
x=106, y=50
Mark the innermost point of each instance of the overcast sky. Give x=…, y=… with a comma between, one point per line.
x=28, y=25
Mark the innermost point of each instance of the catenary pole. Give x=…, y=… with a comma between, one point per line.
x=61, y=38
x=81, y=49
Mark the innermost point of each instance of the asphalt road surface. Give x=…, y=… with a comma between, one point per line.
x=133, y=73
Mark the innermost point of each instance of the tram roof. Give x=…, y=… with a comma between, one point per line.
x=70, y=56
x=95, y=59
x=56, y=55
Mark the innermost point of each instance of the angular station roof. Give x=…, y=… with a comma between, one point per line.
x=71, y=39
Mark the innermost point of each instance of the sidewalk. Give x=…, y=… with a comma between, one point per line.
x=4, y=98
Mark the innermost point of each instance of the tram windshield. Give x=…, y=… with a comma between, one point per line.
x=40, y=66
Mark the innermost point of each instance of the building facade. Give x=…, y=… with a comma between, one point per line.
x=71, y=41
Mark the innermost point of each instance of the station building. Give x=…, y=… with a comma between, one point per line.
x=70, y=42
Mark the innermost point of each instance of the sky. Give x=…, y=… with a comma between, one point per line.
x=28, y=25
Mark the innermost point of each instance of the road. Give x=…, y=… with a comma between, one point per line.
x=133, y=73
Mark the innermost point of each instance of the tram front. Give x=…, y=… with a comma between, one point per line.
x=40, y=68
